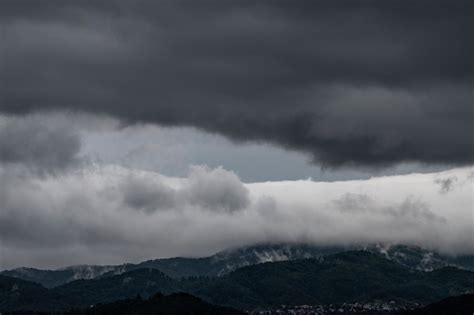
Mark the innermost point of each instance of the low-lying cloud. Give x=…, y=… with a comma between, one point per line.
x=411, y=208
x=215, y=190
x=446, y=184
x=111, y=214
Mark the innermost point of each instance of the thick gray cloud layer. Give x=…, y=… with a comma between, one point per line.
x=32, y=143
x=356, y=83
x=111, y=214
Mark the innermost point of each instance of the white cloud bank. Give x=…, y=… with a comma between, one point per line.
x=111, y=214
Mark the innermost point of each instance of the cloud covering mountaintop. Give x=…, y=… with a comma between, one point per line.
x=111, y=214
x=350, y=82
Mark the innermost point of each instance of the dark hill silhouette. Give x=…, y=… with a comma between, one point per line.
x=173, y=304
x=456, y=305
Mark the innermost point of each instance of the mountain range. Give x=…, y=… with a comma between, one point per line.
x=229, y=260
x=342, y=277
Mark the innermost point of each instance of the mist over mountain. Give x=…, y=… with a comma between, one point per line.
x=231, y=259
x=348, y=276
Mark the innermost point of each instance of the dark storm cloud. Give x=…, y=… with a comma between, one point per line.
x=350, y=82
x=40, y=147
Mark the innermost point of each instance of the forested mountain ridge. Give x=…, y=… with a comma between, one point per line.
x=229, y=260
x=338, y=278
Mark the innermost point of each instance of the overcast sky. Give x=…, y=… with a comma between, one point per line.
x=138, y=129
